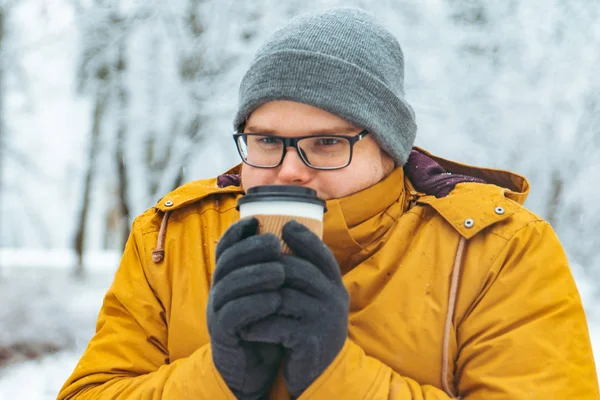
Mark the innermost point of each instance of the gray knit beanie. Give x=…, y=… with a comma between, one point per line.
x=343, y=61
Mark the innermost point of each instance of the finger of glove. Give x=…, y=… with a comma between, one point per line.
x=291, y=323
x=275, y=329
x=301, y=306
x=248, y=369
x=246, y=310
x=245, y=281
x=307, y=245
x=255, y=249
x=261, y=354
x=243, y=228
x=304, y=276
x=302, y=368
x=263, y=361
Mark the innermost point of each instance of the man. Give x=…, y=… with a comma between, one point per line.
x=432, y=281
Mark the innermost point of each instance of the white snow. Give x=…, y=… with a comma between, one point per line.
x=47, y=308
x=38, y=379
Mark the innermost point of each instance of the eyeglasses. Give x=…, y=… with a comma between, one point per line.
x=324, y=152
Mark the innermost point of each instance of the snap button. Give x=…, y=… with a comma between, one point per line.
x=168, y=203
x=469, y=223
x=499, y=210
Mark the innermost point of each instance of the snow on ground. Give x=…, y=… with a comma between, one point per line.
x=49, y=307
x=46, y=308
x=38, y=379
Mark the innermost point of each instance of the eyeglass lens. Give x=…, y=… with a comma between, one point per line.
x=317, y=151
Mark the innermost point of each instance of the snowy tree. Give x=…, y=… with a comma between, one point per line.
x=17, y=208
x=541, y=95
x=154, y=73
x=100, y=75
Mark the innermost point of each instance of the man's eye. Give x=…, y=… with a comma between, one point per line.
x=328, y=141
x=268, y=140
x=264, y=140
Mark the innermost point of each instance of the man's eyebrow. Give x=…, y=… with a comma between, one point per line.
x=328, y=131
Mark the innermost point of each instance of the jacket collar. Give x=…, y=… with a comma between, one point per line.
x=355, y=226
x=197, y=190
x=517, y=186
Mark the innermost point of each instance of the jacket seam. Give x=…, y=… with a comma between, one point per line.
x=415, y=209
x=175, y=218
x=492, y=262
x=189, y=214
x=526, y=210
x=146, y=273
x=386, y=212
x=509, y=237
x=369, y=393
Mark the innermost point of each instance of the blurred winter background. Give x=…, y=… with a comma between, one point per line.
x=106, y=105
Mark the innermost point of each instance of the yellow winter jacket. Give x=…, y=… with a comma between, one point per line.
x=469, y=296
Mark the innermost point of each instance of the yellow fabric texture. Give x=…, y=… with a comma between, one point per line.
x=519, y=329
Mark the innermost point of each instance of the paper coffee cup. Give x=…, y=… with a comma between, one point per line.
x=274, y=205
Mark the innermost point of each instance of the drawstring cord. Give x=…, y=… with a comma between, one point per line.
x=450, y=314
x=159, y=252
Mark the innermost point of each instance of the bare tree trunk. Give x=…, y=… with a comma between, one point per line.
x=100, y=105
x=555, y=197
x=123, y=100
x=178, y=179
x=3, y=145
x=193, y=129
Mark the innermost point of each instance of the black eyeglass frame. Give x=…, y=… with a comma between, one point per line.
x=293, y=142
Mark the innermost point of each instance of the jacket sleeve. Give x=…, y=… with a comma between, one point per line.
x=354, y=375
x=525, y=337
x=127, y=358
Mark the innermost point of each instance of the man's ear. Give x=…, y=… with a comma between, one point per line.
x=389, y=164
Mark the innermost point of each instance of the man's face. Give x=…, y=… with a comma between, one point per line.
x=370, y=164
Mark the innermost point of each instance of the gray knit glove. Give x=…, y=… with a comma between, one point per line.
x=244, y=290
x=312, y=321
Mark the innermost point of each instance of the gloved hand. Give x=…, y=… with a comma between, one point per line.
x=312, y=321
x=244, y=290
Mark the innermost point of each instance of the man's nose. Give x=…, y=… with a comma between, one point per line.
x=293, y=169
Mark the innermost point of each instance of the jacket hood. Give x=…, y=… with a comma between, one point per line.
x=438, y=176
